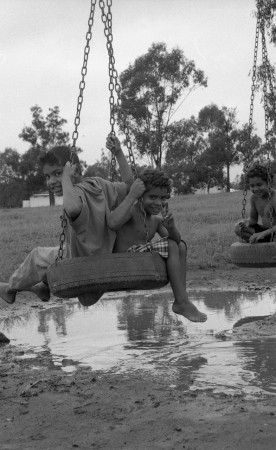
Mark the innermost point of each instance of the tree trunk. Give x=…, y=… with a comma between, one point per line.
x=52, y=198
x=227, y=177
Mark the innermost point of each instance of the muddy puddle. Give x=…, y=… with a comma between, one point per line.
x=140, y=332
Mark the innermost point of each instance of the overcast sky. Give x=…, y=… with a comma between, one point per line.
x=41, y=51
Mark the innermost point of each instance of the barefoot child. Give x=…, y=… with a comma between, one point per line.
x=86, y=203
x=153, y=187
x=260, y=204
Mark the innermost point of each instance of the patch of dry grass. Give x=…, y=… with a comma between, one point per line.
x=204, y=221
x=21, y=230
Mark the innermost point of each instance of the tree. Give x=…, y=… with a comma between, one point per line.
x=153, y=89
x=186, y=160
x=12, y=187
x=225, y=140
x=268, y=8
x=45, y=132
x=100, y=168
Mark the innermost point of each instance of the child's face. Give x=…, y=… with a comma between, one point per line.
x=258, y=186
x=53, y=176
x=155, y=200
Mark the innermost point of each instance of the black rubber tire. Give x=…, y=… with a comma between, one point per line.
x=253, y=255
x=109, y=272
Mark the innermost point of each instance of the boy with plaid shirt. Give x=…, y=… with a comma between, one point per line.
x=153, y=189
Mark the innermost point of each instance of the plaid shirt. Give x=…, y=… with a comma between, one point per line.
x=160, y=246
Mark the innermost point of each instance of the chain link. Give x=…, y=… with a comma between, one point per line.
x=62, y=237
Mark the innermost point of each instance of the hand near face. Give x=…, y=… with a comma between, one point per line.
x=167, y=217
x=70, y=171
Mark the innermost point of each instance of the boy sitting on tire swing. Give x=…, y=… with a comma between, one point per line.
x=262, y=206
x=87, y=203
x=153, y=188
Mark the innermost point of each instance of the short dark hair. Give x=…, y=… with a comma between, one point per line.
x=257, y=170
x=59, y=154
x=155, y=178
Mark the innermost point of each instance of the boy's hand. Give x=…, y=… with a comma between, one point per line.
x=137, y=189
x=113, y=144
x=168, y=221
x=69, y=171
x=167, y=217
x=256, y=237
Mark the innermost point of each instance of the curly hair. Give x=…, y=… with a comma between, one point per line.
x=59, y=155
x=257, y=170
x=153, y=178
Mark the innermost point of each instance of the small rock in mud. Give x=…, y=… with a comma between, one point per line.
x=3, y=339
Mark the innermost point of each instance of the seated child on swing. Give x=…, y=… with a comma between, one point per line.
x=86, y=202
x=153, y=189
x=262, y=205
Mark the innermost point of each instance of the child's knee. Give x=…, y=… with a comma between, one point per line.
x=239, y=226
x=173, y=246
x=182, y=249
x=237, y=229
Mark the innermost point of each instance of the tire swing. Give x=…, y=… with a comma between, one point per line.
x=88, y=278
x=261, y=254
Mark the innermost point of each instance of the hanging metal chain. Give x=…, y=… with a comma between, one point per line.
x=267, y=76
x=114, y=85
x=77, y=118
x=75, y=134
x=62, y=237
x=250, y=124
x=107, y=21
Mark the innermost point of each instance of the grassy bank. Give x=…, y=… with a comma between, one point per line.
x=205, y=222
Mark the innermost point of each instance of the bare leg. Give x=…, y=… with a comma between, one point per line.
x=182, y=305
x=41, y=290
x=9, y=295
x=243, y=231
x=183, y=261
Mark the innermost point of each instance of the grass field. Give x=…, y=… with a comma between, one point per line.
x=204, y=221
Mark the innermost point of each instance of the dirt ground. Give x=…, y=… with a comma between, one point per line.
x=46, y=408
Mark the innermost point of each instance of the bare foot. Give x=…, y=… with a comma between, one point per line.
x=42, y=291
x=189, y=310
x=6, y=293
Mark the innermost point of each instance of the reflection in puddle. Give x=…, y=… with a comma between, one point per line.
x=141, y=333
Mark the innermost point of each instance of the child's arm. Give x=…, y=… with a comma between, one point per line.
x=71, y=201
x=123, y=212
x=113, y=144
x=253, y=214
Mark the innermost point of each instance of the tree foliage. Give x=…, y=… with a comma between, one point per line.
x=185, y=159
x=153, y=89
x=199, y=149
x=227, y=143
x=101, y=168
